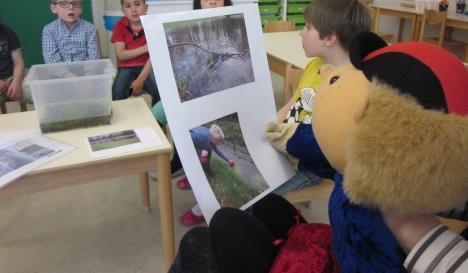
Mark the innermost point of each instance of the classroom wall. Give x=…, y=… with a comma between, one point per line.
x=27, y=18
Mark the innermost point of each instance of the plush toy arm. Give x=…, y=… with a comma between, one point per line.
x=278, y=134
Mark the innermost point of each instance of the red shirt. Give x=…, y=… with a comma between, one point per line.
x=123, y=33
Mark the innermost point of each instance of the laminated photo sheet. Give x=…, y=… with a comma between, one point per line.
x=213, y=75
x=26, y=152
x=122, y=141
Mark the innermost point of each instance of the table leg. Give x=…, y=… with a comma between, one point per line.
x=163, y=171
x=144, y=191
x=401, y=25
x=376, y=20
x=414, y=34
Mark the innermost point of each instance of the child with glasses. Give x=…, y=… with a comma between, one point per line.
x=69, y=38
x=134, y=66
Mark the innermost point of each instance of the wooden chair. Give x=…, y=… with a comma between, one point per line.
x=3, y=109
x=388, y=37
x=279, y=26
x=456, y=225
x=292, y=78
x=309, y=193
x=439, y=18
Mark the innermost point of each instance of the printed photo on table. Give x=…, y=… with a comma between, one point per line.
x=209, y=55
x=113, y=140
x=226, y=161
x=12, y=158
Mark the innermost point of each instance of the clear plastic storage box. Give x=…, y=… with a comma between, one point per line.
x=71, y=95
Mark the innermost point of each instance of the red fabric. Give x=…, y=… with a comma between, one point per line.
x=121, y=33
x=307, y=250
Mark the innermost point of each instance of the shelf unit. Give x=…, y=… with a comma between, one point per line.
x=295, y=11
x=271, y=10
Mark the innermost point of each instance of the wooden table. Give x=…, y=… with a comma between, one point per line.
x=283, y=48
x=79, y=167
x=394, y=8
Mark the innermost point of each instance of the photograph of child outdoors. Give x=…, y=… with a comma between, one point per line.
x=209, y=55
x=226, y=161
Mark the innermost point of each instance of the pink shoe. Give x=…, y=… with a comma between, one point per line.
x=190, y=219
x=183, y=183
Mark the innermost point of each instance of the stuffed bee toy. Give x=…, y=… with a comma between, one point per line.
x=392, y=131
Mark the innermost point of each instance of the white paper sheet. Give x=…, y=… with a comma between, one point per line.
x=25, y=152
x=211, y=67
x=122, y=141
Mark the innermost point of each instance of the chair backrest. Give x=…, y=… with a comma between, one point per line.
x=291, y=81
x=372, y=12
x=388, y=37
x=434, y=18
x=280, y=25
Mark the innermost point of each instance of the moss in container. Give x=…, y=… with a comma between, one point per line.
x=74, y=114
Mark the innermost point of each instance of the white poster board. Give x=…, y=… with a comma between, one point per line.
x=211, y=68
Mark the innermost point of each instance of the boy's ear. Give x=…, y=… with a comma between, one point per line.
x=53, y=8
x=331, y=39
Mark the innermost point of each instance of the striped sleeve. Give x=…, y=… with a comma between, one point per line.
x=439, y=251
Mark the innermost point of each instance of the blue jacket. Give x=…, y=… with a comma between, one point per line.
x=201, y=139
x=361, y=240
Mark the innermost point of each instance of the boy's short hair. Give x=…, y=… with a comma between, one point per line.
x=342, y=17
x=121, y=2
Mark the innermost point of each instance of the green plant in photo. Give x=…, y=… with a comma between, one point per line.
x=228, y=186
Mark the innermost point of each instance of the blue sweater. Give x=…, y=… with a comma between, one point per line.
x=201, y=139
x=361, y=240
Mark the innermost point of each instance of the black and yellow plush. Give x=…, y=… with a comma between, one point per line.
x=409, y=150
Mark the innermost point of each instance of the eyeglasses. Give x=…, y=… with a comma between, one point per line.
x=67, y=4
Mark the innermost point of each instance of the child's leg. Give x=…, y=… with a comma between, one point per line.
x=240, y=243
x=124, y=78
x=152, y=88
x=298, y=181
x=277, y=215
x=160, y=116
x=194, y=254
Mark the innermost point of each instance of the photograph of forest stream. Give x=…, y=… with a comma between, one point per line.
x=209, y=55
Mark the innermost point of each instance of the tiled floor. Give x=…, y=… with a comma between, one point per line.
x=95, y=227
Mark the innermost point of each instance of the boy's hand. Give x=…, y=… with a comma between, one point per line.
x=137, y=87
x=278, y=134
x=409, y=228
x=15, y=90
x=144, y=49
x=231, y=164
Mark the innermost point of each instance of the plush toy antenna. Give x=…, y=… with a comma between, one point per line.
x=361, y=45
